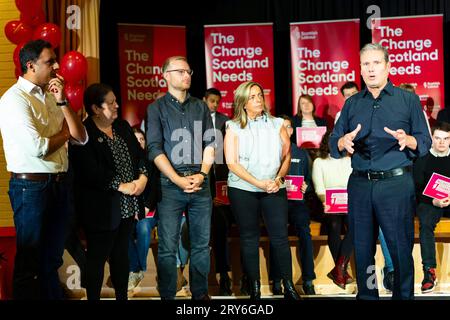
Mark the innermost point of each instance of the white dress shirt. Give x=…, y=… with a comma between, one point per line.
x=28, y=118
x=213, y=118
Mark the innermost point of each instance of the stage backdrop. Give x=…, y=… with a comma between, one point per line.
x=142, y=51
x=416, y=53
x=238, y=53
x=324, y=55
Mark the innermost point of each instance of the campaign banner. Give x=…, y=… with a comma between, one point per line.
x=336, y=201
x=238, y=53
x=415, y=46
x=310, y=138
x=324, y=56
x=438, y=187
x=142, y=52
x=222, y=192
x=294, y=187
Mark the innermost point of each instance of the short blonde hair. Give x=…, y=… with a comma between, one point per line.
x=170, y=59
x=241, y=96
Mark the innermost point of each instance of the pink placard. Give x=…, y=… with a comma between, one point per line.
x=336, y=201
x=149, y=214
x=438, y=187
x=310, y=138
x=221, y=192
x=294, y=187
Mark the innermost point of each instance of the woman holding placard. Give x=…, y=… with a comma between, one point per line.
x=330, y=173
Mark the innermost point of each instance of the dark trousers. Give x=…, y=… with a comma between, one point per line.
x=429, y=216
x=221, y=221
x=40, y=218
x=111, y=246
x=300, y=218
x=389, y=204
x=338, y=246
x=246, y=207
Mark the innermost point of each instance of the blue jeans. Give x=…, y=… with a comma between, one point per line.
x=40, y=217
x=183, y=247
x=198, y=207
x=388, y=265
x=140, y=243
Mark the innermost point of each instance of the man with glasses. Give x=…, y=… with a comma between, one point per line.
x=180, y=139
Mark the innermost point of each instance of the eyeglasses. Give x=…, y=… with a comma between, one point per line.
x=182, y=71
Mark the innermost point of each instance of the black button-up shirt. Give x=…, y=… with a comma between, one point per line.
x=178, y=131
x=375, y=149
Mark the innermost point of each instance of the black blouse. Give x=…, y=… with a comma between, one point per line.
x=129, y=205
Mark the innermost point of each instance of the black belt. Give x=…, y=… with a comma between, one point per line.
x=56, y=177
x=186, y=173
x=379, y=175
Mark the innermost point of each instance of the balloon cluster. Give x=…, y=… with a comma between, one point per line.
x=32, y=26
x=73, y=68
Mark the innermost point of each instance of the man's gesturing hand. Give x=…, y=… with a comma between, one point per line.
x=404, y=140
x=346, y=142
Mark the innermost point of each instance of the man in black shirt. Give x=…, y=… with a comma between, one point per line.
x=384, y=128
x=180, y=139
x=430, y=210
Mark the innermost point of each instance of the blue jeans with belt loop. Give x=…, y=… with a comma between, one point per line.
x=198, y=207
x=40, y=218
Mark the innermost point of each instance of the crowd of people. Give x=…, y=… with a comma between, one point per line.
x=122, y=182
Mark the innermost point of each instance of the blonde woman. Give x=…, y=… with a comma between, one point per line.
x=257, y=151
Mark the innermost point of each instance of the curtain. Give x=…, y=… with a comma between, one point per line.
x=85, y=39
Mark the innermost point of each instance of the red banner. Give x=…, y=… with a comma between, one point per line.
x=239, y=53
x=416, y=54
x=324, y=55
x=142, y=51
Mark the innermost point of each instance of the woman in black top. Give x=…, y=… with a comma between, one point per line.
x=110, y=175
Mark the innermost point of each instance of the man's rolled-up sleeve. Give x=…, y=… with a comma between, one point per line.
x=154, y=132
x=340, y=129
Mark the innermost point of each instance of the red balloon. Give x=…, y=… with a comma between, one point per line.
x=49, y=32
x=28, y=6
x=16, y=31
x=73, y=67
x=74, y=94
x=18, y=72
x=33, y=19
x=16, y=57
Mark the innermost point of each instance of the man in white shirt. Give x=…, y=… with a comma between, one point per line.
x=36, y=122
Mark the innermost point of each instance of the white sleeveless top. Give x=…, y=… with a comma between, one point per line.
x=260, y=150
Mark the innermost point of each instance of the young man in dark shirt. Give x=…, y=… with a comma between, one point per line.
x=430, y=210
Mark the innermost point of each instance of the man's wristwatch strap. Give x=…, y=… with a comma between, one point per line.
x=62, y=103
